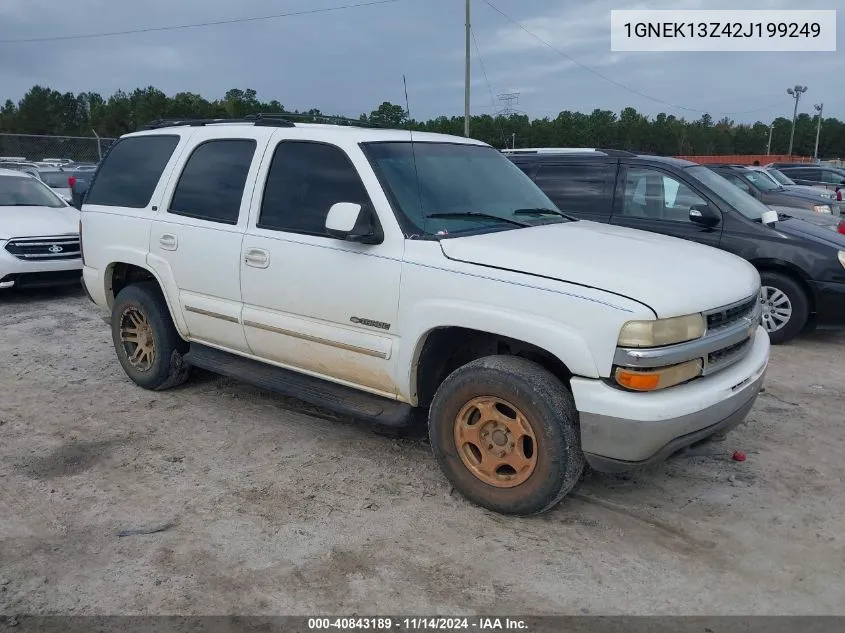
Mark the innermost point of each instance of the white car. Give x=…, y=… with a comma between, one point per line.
x=39, y=234
x=394, y=278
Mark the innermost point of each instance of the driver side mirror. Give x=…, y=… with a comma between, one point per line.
x=704, y=215
x=352, y=222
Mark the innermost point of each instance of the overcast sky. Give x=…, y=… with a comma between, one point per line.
x=347, y=62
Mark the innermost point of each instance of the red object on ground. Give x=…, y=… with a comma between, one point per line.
x=739, y=456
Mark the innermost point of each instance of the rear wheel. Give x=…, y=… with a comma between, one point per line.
x=504, y=431
x=785, y=306
x=147, y=344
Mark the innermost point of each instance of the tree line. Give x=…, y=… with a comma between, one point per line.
x=45, y=111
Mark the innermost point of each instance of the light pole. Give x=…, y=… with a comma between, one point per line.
x=769, y=144
x=466, y=74
x=819, y=107
x=796, y=94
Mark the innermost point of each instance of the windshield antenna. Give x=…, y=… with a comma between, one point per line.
x=414, y=152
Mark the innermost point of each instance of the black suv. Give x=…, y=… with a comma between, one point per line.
x=832, y=178
x=771, y=194
x=801, y=262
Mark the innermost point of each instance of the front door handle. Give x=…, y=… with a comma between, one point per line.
x=168, y=242
x=257, y=258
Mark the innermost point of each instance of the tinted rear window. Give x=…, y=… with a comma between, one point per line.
x=131, y=171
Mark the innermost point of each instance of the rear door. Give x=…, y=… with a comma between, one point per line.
x=653, y=199
x=582, y=189
x=196, y=238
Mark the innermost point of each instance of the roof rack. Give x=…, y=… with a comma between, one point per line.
x=566, y=150
x=255, y=120
x=271, y=119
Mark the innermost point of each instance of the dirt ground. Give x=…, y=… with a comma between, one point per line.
x=274, y=508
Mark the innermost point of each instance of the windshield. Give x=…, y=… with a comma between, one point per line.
x=760, y=180
x=469, y=187
x=780, y=177
x=735, y=197
x=22, y=191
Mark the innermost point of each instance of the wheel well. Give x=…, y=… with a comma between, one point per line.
x=448, y=348
x=794, y=276
x=121, y=275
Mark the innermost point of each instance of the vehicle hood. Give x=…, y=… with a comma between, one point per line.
x=809, y=191
x=808, y=196
x=37, y=221
x=670, y=275
x=816, y=230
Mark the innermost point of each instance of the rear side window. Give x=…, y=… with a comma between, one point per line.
x=803, y=173
x=305, y=180
x=131, y=171
x=212, y=184
x=578, y=189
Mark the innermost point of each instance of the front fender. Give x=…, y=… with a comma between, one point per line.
x=559, y=339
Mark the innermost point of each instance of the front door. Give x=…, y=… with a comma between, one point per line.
x=196, y=239
x=651, y=199
x=312, y=302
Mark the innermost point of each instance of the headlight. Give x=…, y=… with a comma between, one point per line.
x=662, y=331
x=842, y=258
x=821, y=208
x=654, y=379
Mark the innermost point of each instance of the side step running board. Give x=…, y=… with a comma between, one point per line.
x=338, y=398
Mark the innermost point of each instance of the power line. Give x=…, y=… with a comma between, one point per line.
x=199, y=24
x=605, y=77
x=487, y=79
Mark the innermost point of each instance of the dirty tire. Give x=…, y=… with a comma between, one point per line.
x=167, y=368
x=797, y=298
x=544, y=402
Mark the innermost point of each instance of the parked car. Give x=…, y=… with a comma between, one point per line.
x=392, y=277
x=58, y=180
x=57, y=161
x=79, y=183
x=814, y=175
x=780, y=178
x=39, y=234
x=24, y=166
x=802, y=264
x=769, y=193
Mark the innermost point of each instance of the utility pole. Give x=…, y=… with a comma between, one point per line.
x=819, y=107
x=466, y=74
x=514, y=140
x=769, y=144
x=796, y=93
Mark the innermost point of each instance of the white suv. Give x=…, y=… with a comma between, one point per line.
x=392, y=277
x=39, y=234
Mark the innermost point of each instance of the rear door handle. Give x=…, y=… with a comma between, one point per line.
x=257, y=258
x=168, y=242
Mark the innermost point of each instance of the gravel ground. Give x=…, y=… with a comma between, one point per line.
x=271, y=507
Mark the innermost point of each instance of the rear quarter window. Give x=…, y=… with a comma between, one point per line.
x=131, y=170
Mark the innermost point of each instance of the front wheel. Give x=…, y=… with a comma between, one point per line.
x=785, y=306
x=147, y=344
x=504, y=431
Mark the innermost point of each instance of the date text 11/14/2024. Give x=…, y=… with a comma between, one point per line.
x=418, y=624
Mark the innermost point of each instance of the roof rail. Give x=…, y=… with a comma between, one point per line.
x=254, y=119
x=567, y=150
x=304, y=117
x=271, y=119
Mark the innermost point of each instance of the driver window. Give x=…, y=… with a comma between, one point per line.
x=651, y=194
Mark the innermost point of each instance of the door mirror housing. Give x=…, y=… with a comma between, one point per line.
x=704, y=215
x=353, y=222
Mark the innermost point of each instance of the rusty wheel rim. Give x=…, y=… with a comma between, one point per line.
x=495, y=442
x=136, y=335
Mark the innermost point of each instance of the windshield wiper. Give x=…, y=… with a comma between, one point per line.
x=475, y=214
x=542, y=211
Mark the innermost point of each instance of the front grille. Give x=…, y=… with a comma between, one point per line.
x=51, y=248
x=726, y=356
x=728, y=315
